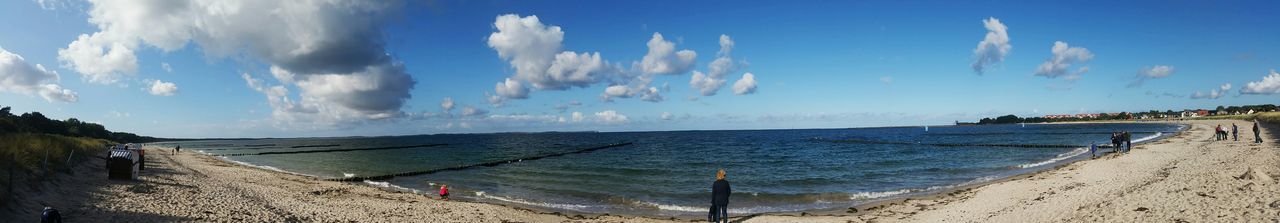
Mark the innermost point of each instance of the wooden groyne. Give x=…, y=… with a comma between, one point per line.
x=331, y=150
x=463, y=167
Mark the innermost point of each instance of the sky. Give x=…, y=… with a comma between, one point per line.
x=315, y=68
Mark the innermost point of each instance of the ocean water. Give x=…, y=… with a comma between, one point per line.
x=670, y=173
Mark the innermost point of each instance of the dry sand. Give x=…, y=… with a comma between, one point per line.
x=1185, y=178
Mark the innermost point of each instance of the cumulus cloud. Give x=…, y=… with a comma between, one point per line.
x=534, y=50
x=331, y=51
x=162, y=88
x=666, y=116
x=664, y=59
x=1063, y=57
x=746, y=85
x=1214, y=94
x=511, y=89
x=993, y=48
x=18, y=76
x=447, y=104
x=610, y=117
x=1148, y=73
x=578, y=117
x=1269, y=84
x=711, y=82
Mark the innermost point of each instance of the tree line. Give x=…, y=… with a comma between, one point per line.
x=1013, y=119
x=34, y=122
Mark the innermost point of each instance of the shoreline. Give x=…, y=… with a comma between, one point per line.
x=834, y=212
x=198, y=187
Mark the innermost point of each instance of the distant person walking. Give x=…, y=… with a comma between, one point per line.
x=1257, y=135
x=444, y=192
x=1093, y=150
x=720, y=199
x=1234, y=129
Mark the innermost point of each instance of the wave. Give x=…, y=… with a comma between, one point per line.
x=1148, y=138
x=345, y=174
x=880, y=194
x=265, y=167
x=1060, y=157
x=573, y=207
x=390, y=186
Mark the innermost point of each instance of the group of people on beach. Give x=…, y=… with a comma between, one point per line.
x=1220, y=133
x=1121, y=142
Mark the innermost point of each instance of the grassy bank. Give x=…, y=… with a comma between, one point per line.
x=1265, y=117
x=27, y=158
x=28, y=150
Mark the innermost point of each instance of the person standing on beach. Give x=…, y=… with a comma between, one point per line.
x=1234, y=136
x=1128, y=142
x=1257, y=136
x=176, y=149
x=720, y=198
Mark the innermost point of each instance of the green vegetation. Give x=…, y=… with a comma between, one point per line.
x=29, y=150
x=1013, y=119
x=34, y=122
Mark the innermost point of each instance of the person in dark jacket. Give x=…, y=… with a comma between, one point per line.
x=1234, y=136
x=50, y=215
x=720, y=198
x=1128, y=142
x=1257, y=135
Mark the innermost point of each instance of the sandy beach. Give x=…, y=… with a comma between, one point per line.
x=1185, y=178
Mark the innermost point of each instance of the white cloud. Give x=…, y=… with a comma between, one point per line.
x=610, y=117
x=447, y=104
x=1147, y=73
x=472, y=111
x=333, y=51
x=166, y=67
x=993, y=48
x=886, y=80
x=1063, y=57
x=664, y=59
x=18, y=76
x=578, y=117
x=534, y=51
x=98, y=60
x=162, y=88
x=511, y=89
x=667, y=116
x=711, y=82
x=1214, y=94
x=746, y=85
x=1269, y=84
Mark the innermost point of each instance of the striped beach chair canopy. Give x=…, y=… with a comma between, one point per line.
x=121, y=154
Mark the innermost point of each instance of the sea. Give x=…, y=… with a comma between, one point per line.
x=669, y=173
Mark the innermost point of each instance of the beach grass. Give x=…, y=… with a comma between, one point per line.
x=1265, y=117
x=29, y=152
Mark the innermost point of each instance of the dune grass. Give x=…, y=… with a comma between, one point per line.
x=28, y=151
x=1265, y=117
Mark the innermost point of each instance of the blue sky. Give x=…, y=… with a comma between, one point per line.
x=353, y=68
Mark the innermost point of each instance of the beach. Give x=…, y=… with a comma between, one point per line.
x=1187, y=178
